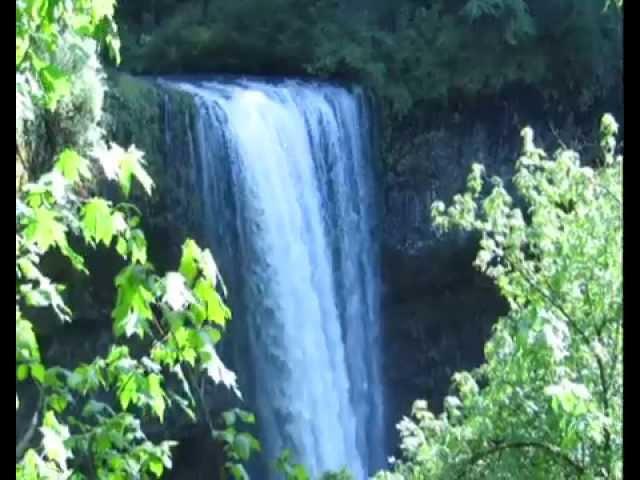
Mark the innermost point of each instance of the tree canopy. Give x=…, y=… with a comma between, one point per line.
x=411, y=52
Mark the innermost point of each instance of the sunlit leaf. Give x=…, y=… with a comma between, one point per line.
x=45, y=229
x=72, y=166
x=190, y=260
x=177, y=296
x=97, y=221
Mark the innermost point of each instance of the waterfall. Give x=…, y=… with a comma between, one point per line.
x=286, y=180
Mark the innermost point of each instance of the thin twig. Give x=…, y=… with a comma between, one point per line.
x=554, y=304
x=202, y=402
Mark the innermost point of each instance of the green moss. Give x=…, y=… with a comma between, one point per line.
x=136, y=114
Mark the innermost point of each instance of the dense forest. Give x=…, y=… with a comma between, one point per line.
x=167, y=153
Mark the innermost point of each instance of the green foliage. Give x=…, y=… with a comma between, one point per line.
x=290, y=470
x=342, y=474
x=50, y=120
x=90, y=419
x=548, y=401
x=42, y=28
x=238, y=446
x=410, y=52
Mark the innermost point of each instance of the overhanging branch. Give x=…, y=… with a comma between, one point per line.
x=552, y=450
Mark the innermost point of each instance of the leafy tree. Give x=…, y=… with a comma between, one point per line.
x=457, y=48
x=548, y=401
x=89, y=419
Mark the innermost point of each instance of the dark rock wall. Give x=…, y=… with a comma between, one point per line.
x=438, y=310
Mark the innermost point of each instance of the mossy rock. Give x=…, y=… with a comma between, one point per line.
x=159, y=122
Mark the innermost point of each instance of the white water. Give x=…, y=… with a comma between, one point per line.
x=298, y=172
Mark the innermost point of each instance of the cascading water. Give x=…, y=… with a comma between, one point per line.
x=287, y=185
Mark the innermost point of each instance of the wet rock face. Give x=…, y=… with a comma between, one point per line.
x=438, y=309
x=438, y=315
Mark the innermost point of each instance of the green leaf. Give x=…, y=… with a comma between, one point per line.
x=76, y=259
x=246, y=417
x=229, y=417
x=33, y=7
x=138, y=245
x=217, y=312
x=157, y=395
x=238, y=472
x=213, y=333
x=242, y=445
x=113, y=44
x=209, y=267
x=56, y=83
x=299, y=473
x=82, y=24
x=156, y=467
x=128, y=392
x=37, y=372
x=58, y=402
x=190, y=260
x=22, y=372
x=121, y=247
x=85, y=379
x=97, y=221
x=569, y=396
x=72, y=166
x=26, y=344
x=93, y=408
x=45, y=230
x=28, y=269
x=189, y=355
x=133, y=305
x=103, y=9
x=22, y=45
x=132, y=166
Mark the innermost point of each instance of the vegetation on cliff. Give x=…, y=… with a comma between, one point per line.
x=548, y=401
x=410, y=52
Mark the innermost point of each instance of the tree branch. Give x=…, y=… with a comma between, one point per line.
x=550, y=449
x=605, y=403
x=203, y=404
x=601, y=368
x=554, y=304
x=31, y=430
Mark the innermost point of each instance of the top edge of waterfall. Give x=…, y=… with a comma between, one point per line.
x=272, y=80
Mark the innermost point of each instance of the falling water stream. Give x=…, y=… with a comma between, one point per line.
x=286, y=176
